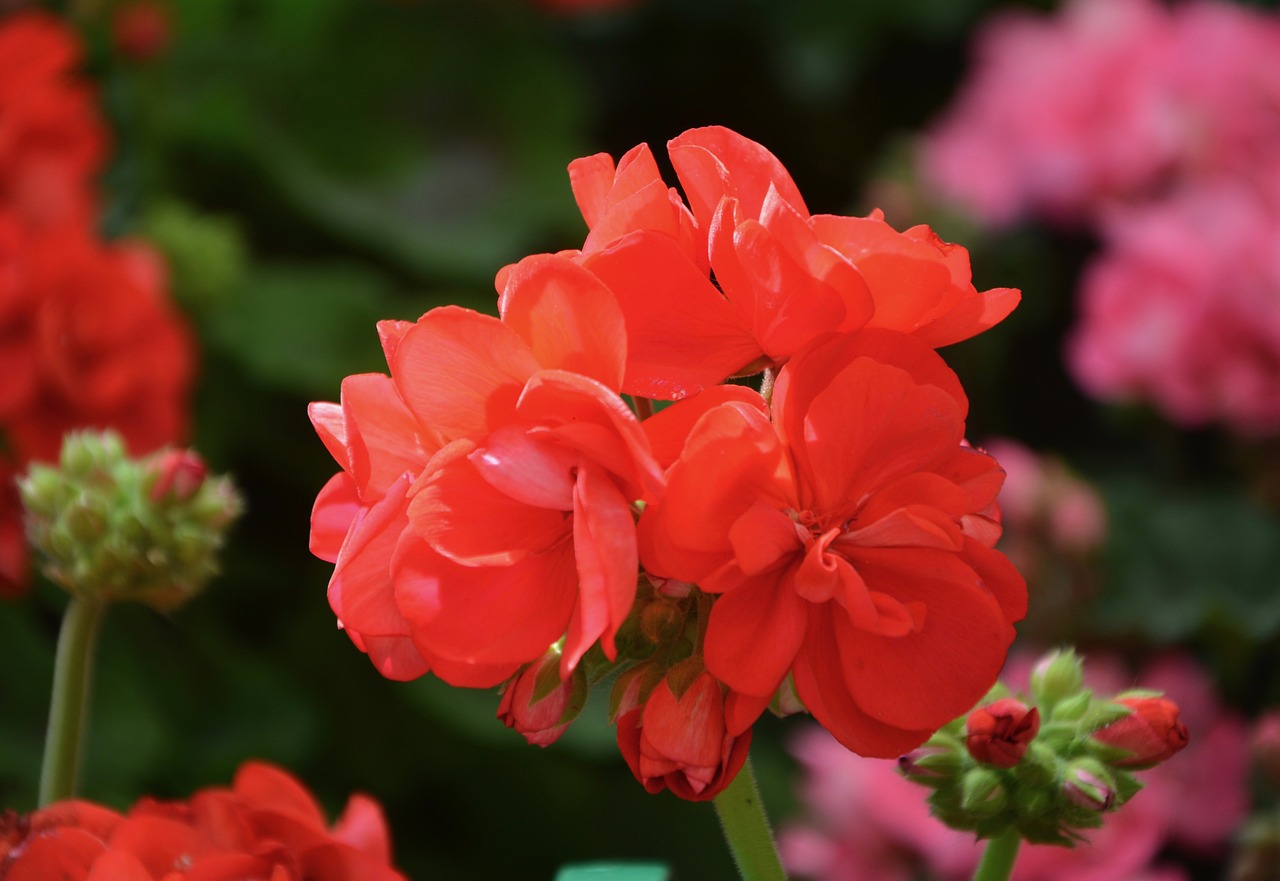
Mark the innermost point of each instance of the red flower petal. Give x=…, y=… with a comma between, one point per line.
x=266, y=787
x=567, y=316
x=869, y=425
x=117, y=865
x=484, y=615
x=363, y=826
x=461, y=372
x=336, y=508
x=820, y=685
x=927, y=677
x=360, y=589
x=384, y=440
x=731, y=462
x=654, y=279
x=580, y=414
x=67, y=853
x=668, y=429
x=753, y=636
x=604, y=544
x=461, y=514
x=715, y=162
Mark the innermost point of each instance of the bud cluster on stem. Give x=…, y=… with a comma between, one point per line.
x=108, y=527
x=1044, y=766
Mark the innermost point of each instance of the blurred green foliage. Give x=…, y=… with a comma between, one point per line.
x=313, y=166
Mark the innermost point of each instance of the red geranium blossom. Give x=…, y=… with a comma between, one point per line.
x=783, y=277
x=265, y=827
x=485, y=508
x=849, y=539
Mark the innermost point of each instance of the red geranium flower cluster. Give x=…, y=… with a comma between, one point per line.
x=87, y=335
x=265, y=827
x=504, y=516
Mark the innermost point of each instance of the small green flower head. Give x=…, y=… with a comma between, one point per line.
x=113, y=528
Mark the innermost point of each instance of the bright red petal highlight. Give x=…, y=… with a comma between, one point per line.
x=567, y=317
x=654, y=279
x=460, y=372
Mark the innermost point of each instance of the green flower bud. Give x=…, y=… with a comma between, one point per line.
x=1057, y=677
x=114, y=528
x=981, y=792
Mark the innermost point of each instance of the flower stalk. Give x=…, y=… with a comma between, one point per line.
x=998, y=857
x=68, y=707
x=746, y=829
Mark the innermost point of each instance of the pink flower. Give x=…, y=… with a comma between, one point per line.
x=1183, y=308
x=1156, y=95
x=1023, y=138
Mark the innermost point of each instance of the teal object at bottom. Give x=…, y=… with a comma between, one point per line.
x=614, y=872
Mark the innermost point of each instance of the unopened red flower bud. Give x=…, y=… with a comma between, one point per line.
x=539, y=704
x=1149, y=735
x=1056, y=677
x=678, y=739
x=998, y=734
x=178, y=475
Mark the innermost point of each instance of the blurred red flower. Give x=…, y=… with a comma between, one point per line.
x=265, y=827
x=849, y=540
x=52, y=142
x=101, y=345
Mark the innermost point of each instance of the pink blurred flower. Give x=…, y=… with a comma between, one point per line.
x=1183, y=308
x=1154, y=94
x=1043, y=502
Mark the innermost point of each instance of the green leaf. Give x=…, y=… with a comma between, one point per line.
x=1178, y=560
x=302, y=328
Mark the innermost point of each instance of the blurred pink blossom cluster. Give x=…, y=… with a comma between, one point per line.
x=1159, y=127
x=865, y=822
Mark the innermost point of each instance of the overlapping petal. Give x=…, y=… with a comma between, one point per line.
x=839, y=540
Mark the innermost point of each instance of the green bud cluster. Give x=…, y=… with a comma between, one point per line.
x=113, y=528
x=1063, y=784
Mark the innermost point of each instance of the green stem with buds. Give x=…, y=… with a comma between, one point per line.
x=746, y=829
x=998, y=858
x=72, y=675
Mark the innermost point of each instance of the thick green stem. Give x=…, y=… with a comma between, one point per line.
x=998, y=858
x=72, y=674
x=746, y=829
